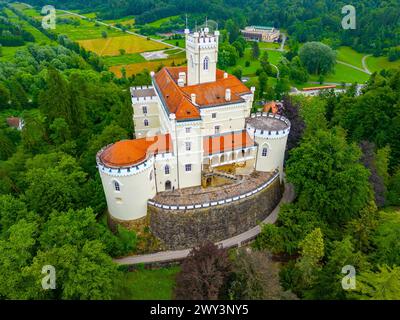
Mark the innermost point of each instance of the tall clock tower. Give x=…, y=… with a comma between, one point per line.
x=202, y=56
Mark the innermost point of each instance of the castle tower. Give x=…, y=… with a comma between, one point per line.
x=201, y=55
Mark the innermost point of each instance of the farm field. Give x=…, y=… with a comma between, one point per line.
x=123, y=59
x=159, y=22
x=128, y=20
x=149, y=65
x=156, y=284
x=131, y=44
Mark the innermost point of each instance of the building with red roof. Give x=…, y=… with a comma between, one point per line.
x=191, y=121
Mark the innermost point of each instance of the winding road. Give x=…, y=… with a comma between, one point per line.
x=170, y=256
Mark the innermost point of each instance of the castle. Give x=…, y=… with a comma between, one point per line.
x=194, y=130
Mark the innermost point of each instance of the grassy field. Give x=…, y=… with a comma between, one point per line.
x=149, y=65
x=274, y=58
x=348, y=55
x=124, y=59
x=378, y=63
x=344, y=74
x=181, y=42
x=131, y=43
x=269, y=45
x=159, y=22
x=155, y=284
x=128, y=20
x=9, y=53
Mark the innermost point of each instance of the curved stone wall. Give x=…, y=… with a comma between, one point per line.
x=180, y=229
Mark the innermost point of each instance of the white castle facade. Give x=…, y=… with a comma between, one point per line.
x=192, y=121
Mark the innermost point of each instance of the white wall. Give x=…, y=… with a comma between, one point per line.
x=130, y=202
x=152, y=117
x=275, y=156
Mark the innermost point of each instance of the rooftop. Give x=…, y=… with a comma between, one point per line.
x=267, y=123
x=140, y=93
x=178, y=99
x=126, y=153
x=227, y=142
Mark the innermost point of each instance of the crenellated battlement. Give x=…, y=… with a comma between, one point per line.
x=268, y=125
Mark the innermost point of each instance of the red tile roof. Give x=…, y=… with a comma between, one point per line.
x=227, y=142
x=13, y=122
x=130, y=152
x=178, y=99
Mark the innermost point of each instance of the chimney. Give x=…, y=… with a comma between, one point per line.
x=228, y=94
x=225, y=75
x=193, y=97
x=182, y=76
x=181, y=82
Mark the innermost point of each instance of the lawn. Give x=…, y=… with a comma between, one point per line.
x=274, y=58
x=181, y=42
x=124, y=59
x=155, y=284
x=268, y=45
x=149, y=65
x=376, y=64
x=348, y=55
x=344, y=74
x=131, y=43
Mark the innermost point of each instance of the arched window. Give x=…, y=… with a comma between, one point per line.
x=205, y=63
x=144, y=109
x=146, y=122
x=167, y=185
x=117, y=187
x=264, y=152
x=166, y=169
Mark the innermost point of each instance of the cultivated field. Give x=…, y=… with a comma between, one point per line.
x=139, y=67
x=130, y=43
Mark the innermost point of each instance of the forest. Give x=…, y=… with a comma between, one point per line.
x=377, y=29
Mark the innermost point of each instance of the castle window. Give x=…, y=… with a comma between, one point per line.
x=213, y=115
x=264, y=152
x=168, y=185
x=144, y=108
x=166, y=169
x=117, y=187
x=191, y=61
x=188, y=167
x=188, y=129
x=205, y=63
x=146, y=122
x=151, y=175
x=188, y=146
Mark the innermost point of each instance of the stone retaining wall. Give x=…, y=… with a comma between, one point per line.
x=181, y=229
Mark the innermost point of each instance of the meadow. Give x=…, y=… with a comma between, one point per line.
x=123, y=59
x=130, y=43
x=343, y=73
x=348, y=55
x=375, y=64
x=150, y=284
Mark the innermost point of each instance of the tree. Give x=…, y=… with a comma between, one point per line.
x=291, y=110
x=265, y=65
x=204, y=273
x=262, y=84
x=227, y=56
x=82, y=273
x=122, y=52
x=328, y=177
x=394, y=189
x=4, y=97
x=255, y=277
x=255, y=50
x=312, y=251
x=328, y=284
x=317, y=58
x=233, y=30
x=381, y=285
x=16, y=251
x=104, y=34
x=238, y=73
